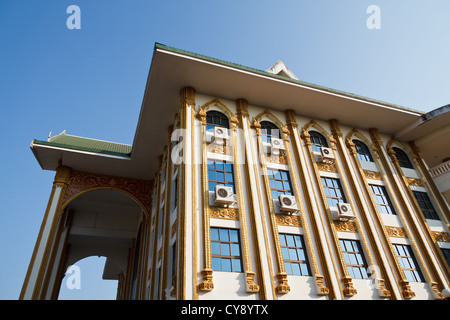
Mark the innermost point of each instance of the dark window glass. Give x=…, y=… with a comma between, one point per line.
x=220, y=173
x=333, y=191
x=425, y=205
x=317, y=140
x=446, y=253
x=354, y=258
x=381, y=199
x=294, y=256
x=216, y=119
x=408, y=263
x=402, y=158
x=280, y=182
x=269, y=131
x=362, y=151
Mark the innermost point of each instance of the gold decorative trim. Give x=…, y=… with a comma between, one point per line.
x=397, y=232
x=413, y=182
x=321, y=289
x=440, y=236
x=279, y=159
x=288, y=220
x=345, y=226
x=283, y=286
x=328, y=167
x=223, y=213
x=82, y=182
x=221, y=149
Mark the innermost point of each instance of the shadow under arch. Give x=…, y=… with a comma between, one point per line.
x=103, y=221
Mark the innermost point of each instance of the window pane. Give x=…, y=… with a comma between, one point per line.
x=225, y=249
x=216, y=265
x=236, y=265
x=304, y=268
x=226, y=264
x=215, y=248
x=295, y=269
x=282, y=240
x=235, y=250
x=285, y=252
x=293, y=254
x=290, y=240
x=214, y=234
x=220, y=176
x=234, y=235
x=219, y=166
x=287, y=266
x=224, y=235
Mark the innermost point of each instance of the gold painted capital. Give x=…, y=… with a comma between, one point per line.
x=187, y=95
x=62, y=175
x=283, y=286
x=207, y=283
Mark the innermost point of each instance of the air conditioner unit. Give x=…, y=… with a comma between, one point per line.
x=224, y=195
x=327, y=154
x=221, y=135
x=287, y=203
x=344, y=213
x=276, y=146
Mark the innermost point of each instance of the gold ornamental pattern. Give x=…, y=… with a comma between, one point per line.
x=81, y=182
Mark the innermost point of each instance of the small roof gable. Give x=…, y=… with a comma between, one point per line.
x=280, y=68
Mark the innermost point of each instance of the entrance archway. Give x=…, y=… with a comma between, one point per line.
x=103, y=222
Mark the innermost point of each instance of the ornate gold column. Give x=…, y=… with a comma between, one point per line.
x=40, y=259
x=283, y=286
x=382, y=290
x=293, y=129
x=242, y=113
x=418, y=241
x=348, y=289
x=187, y=96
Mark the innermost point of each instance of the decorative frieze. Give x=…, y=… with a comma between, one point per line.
x=396, y=232
x=288, y=220
x=375, y=175
x=224, y=213
x=440, y=236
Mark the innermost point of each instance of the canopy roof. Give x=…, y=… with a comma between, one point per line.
x=172, y=69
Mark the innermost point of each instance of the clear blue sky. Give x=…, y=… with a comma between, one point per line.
x=91, y=81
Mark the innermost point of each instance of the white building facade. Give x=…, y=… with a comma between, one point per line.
x=243, y=184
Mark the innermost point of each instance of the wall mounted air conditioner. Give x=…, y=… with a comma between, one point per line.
x=344, y=212
x=327, y=154
x=223, y=196
x=288, y=203
x=221, y=135
x=277, y=145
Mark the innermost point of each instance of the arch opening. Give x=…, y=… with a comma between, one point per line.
x=101, y=223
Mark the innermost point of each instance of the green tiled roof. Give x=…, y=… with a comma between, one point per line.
x=92, y=145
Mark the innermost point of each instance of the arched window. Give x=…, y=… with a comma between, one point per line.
x=317, y=140
x=362, y=151
x=402, y=158
x=216, y=119
x=269, y=131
